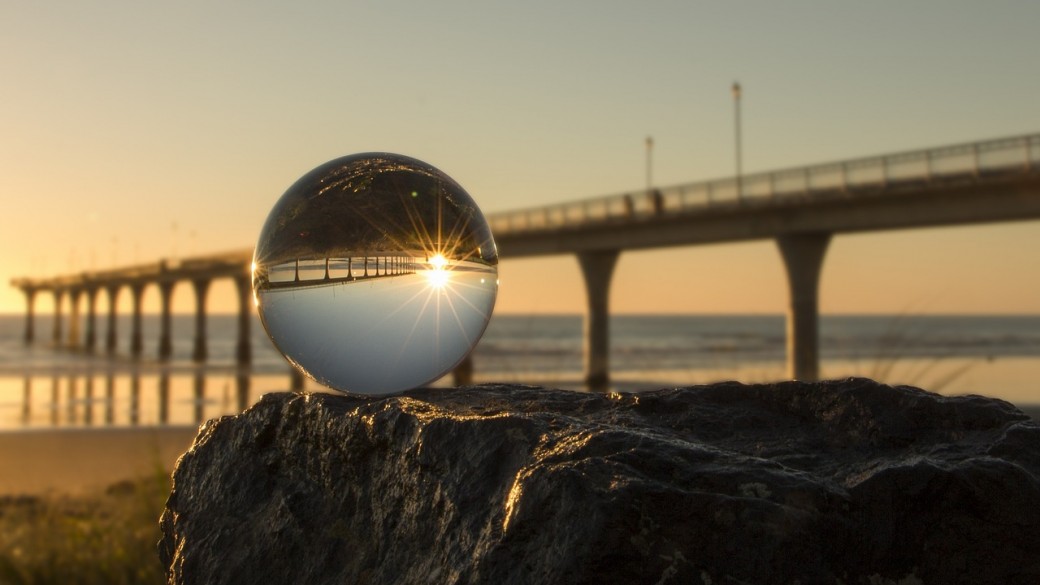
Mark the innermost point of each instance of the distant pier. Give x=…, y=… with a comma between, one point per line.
x=165, y=275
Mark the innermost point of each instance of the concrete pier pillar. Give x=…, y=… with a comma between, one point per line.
x=803, y=257
x=110, y=335
x=58, y=296
x=165, y=328
x=200, y=352
x=296, y=383
x=74, y=317
x=136, y=337
x=243, y=348
x=30, y=296
x=462, y=375
x=597, y=268
x=91, y=339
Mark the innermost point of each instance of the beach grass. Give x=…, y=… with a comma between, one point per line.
x=108, y=537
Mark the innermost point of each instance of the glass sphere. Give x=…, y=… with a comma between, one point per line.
x=375, y=273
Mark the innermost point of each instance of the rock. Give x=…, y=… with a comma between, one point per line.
x=834, y=482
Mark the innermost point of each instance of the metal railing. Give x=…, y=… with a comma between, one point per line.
x=1019, y=154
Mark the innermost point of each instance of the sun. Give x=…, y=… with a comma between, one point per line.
x=437, y=272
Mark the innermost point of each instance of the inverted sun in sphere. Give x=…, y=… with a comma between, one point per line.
x=375, y=273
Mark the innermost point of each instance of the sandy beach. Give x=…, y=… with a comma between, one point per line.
x=75, y=461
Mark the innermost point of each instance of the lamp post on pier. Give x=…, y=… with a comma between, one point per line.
x=736, y=129
x=649, y=163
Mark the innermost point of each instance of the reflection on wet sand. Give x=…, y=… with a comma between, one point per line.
x=138, y=395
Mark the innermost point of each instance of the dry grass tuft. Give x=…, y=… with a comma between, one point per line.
x=107, y=538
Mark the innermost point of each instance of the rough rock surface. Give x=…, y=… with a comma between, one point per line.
x=835, y=482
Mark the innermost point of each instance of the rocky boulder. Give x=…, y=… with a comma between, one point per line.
x=833, y=482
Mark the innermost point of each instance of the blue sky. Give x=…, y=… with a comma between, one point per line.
x=136, y=130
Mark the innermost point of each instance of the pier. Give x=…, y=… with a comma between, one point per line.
x=163, y=274
x=801, y=209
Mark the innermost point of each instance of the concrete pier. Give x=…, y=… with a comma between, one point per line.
x=597, y=269
x=91, y=341
x=73, y=339
x=59, y=294
x=110, y=334
x=200, y=351
x=165, y=327
x=243, y=348
x=136, y=335
x=30, y=334
x=803, y=259
x=165, y=275
x=799, y=208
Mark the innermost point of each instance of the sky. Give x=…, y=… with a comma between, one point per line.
x=132, y=131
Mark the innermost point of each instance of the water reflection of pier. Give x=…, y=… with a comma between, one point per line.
x=88, y=398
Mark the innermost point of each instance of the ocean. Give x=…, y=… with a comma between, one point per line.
x=40, y=386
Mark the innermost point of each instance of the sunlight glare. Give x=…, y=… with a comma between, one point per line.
x=437, y=273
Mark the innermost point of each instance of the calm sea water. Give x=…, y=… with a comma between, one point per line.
x=991, y=355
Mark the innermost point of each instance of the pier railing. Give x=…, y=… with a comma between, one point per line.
x=888, y=172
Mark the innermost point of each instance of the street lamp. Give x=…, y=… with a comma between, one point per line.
x=649, y=151
x=736, y=120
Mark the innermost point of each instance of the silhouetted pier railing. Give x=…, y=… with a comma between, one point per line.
x=904, y=170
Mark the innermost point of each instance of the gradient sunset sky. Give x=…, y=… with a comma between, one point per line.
x=132, y=131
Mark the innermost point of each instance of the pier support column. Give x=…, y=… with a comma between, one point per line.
x=462, y=375
x=91, y=340
x=136, y=338
x=110, y=335
x=597, y=268
x=243, y=349
x=58, y=296
x=200, y=353
x=165, y=335
x=803, y=258
x=74, y=318
x=30, y=296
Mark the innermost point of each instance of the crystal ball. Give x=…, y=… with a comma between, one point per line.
x=375, y=273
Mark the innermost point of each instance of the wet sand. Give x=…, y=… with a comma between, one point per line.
x=74, y=461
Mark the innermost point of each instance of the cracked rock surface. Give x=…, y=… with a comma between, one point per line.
x=845, y=481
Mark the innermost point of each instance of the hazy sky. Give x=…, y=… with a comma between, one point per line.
x=135, y=130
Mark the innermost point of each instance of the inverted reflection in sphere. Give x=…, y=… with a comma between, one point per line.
x=375, y=273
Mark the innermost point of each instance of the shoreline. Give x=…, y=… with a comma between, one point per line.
x=80, y=460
